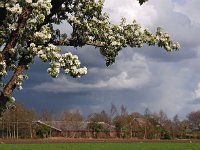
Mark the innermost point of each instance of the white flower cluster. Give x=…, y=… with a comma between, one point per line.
x=42, y=5
x=44, y=35
x=69, y=63
x=115, y=43
x=12, y=99
x=176, y=45
x=29, y=1
x=19, y=82
x=54, y=69
x=52, y=52
x=49, y=53
x=33, y=49
x=14, y=9
x=41, y=8
x=3, y=71
x=74, y=20
x=12, y=26
x=164, y=40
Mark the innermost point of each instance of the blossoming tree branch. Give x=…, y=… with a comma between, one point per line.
x=27, y=31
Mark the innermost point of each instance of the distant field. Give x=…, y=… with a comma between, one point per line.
x=103, y=146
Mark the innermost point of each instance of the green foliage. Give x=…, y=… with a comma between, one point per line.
x=95, y=128
x=166, y=136
x=42, y=131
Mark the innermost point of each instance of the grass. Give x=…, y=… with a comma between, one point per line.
x=103, y=146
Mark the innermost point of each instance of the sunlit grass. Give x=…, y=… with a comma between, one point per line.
x=103, y=146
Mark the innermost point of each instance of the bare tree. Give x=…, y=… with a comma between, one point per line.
x=176, y=127
x=18, y=122
x=194, y=119
x=124, y=111
x=71, y=120
x=113, y=111
x=100, y=117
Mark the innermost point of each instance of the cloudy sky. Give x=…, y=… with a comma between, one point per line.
x=140, y=78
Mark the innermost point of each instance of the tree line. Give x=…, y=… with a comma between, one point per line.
x=20, y=122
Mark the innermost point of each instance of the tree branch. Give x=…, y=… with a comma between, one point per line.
x=70, y=43
x=12, y=41
x=56, y=4
x=10, y=86
x=4, y=55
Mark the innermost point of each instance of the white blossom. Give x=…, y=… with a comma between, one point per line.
x=3, y=71
x=14, y=9
x=29, y=1
x=12, y=26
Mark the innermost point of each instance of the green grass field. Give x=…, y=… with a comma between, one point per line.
x=103, y=146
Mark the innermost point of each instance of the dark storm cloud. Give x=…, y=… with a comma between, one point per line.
x=160, y=55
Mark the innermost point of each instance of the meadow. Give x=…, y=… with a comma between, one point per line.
x=103, y=146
